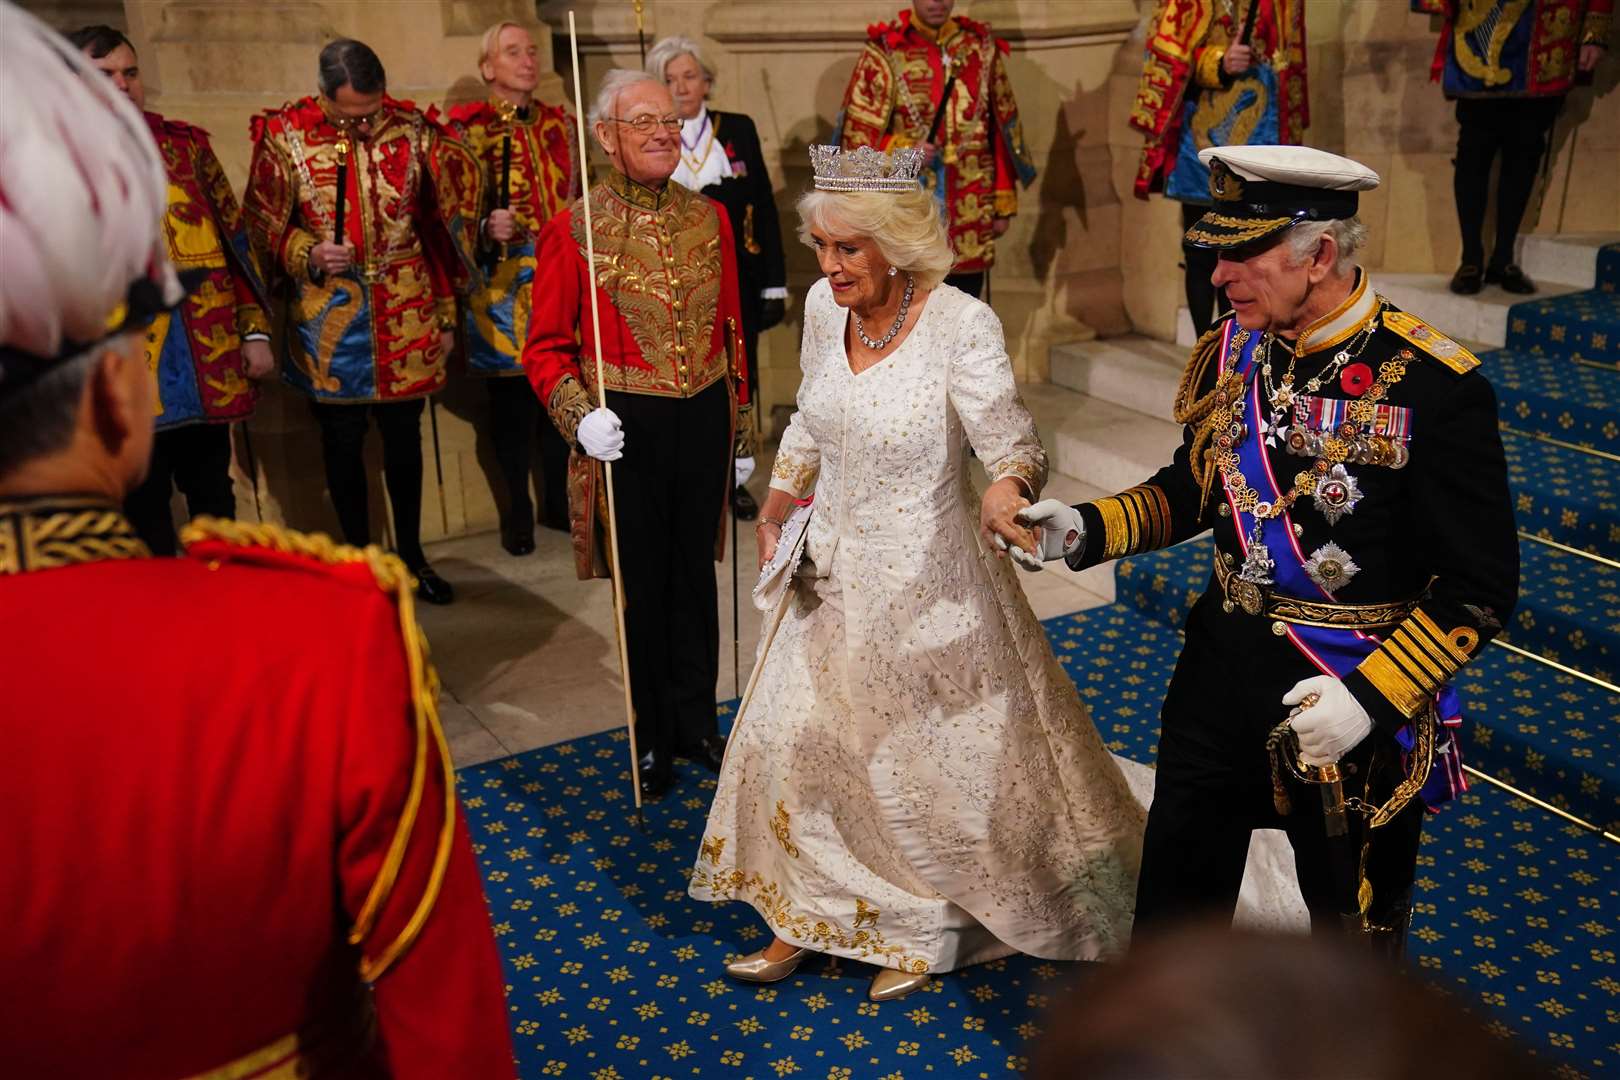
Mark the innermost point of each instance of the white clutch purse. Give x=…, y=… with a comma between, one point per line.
x=775, y=575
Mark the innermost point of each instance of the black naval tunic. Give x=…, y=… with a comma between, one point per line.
x=1419, y=520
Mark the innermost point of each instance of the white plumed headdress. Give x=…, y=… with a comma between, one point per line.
x=82, y=199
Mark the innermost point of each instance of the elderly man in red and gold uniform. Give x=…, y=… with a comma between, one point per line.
x=674, y=415
x=241, y=854
x=524, y=151
x=207, y=354
x=374, y=314
x=976, y=153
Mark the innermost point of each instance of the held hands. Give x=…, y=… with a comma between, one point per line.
x=1059, y=530
x=1238, y=59
x=257, y=360
x=998, y=513
x=501, y=227
x=601, y=435
x=1331, y=727
x=329, y=258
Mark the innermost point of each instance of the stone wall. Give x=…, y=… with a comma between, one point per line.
x=1083, y=256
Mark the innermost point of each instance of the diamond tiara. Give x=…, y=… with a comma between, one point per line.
x=866, y=169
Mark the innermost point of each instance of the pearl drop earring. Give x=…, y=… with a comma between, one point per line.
x=893, y=271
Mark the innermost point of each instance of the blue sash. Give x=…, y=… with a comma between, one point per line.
x=1332, y=651
x=497, y=314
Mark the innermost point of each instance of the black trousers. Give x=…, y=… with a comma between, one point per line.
x=670, y=488
x=1205, y=303
x=1517, y=129
x=972, y=284
x=1212, y=787
x=195, y=458
x=515, y=423
x=343, y=439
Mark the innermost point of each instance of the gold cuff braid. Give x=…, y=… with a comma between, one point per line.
x=569, y=404
x=1134, y=521
x=1416, y=660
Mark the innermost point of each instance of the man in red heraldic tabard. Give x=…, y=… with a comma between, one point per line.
x=207, y=355
x=526, y=163
x=930, y=65
x=239, y=854
x=672, y=417
x=373, y=312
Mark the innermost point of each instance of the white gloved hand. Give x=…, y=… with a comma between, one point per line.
x=601, y=435
x=1333, y=726
x=744, y=468
x=1061, y=533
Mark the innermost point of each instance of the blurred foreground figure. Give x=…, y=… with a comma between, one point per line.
x=1203, y=1002
x=236, y=854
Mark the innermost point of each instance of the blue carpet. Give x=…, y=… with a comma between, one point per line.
x=1577, y=403
x=1576, y=326
x=1565, y=495
x=615, y=973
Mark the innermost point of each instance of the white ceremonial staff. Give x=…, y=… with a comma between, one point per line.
x=607, y=466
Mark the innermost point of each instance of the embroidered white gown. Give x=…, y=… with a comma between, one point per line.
x=913, y=780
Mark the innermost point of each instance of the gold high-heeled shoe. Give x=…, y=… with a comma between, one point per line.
x=891, y=985
x=755, y=968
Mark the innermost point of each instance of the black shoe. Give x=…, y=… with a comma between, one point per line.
x=518, y=538
x=1467, y=280
x=430, y=587
x=744, y=505
x=709, y=752
x=657, y=777
x=1510, y=278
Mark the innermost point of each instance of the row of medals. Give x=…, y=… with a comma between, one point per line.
x=1336, y=490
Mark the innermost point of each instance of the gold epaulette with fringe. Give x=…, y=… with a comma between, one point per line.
x=1195, y=411
x=396, y=581
x=1431, y=341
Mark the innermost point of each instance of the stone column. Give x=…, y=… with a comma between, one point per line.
x=216, y=65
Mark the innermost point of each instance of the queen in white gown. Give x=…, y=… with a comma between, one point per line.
x=912, y=780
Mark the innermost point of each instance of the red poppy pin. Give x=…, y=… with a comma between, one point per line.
x=1355, y=379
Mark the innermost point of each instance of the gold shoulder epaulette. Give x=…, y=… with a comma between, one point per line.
x=214, y=538
x=1431, y=341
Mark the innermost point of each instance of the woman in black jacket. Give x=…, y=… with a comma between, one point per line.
x=721, y=157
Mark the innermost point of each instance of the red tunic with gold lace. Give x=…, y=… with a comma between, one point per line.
x=195, y=351
x=666, y=278
x=540, y=178
x=233, y=853
x=371, y=333
x=892, y=97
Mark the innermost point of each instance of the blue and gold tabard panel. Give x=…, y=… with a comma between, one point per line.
x=496, y=317
x=1242, y=114
x=332, y=345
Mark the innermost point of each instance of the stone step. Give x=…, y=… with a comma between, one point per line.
x=1103, y=444
x=1133, y=371
x=1566, y=258
x=1482, y=318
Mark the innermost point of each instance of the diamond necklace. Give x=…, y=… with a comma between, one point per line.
x=899, y=320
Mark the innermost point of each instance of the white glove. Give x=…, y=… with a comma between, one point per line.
x=601, y=435
x=1059, y=527
x=1333, y=726
x=744, y=468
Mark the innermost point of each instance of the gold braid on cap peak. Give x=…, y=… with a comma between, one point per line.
x=394, y=578
x=1196, y=412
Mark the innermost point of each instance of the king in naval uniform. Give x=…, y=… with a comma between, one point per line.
x=1346, y=455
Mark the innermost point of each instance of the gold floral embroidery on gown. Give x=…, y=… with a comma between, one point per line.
x=914, y=781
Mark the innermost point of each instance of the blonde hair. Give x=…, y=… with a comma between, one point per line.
x=491, y=38
x=907, y=228
x=670, y=48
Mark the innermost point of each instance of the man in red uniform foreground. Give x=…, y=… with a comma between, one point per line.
x=230, y=854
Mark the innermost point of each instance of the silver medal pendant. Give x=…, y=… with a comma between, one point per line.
x=1337, y=494
x=1331, y=567
x=1258, y=566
